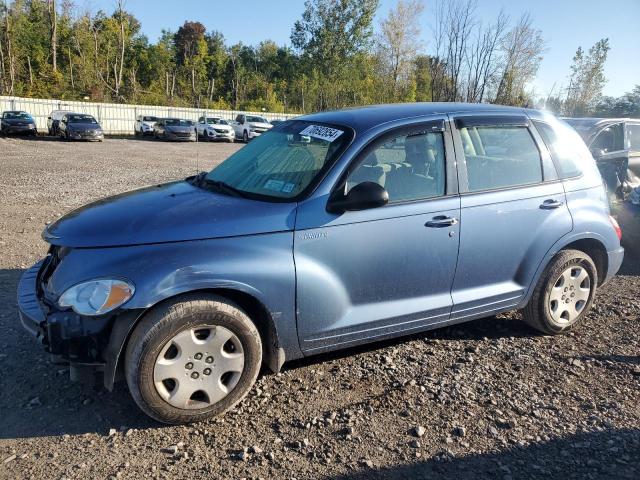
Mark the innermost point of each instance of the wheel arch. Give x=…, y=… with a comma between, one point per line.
x=591, y=244
x=273, y=355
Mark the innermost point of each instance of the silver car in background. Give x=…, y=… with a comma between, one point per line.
x=176, y=129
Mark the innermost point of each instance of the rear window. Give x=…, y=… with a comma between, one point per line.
x=566, y=147
x=500, y=157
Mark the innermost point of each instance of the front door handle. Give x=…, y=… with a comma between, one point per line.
x=551, y=204
x=441, y=221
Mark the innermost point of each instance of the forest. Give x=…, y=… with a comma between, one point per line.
x=341, y=53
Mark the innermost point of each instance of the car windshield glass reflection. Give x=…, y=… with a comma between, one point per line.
x=17, y=116
x=175, y=122
x=81, y=119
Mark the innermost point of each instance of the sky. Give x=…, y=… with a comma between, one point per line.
x=565, y=25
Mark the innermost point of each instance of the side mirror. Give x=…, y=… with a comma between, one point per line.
x=363, y=196
x=598, y=152
x=48, y=118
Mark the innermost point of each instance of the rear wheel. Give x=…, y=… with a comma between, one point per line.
x=192, y=359
x=564, y=294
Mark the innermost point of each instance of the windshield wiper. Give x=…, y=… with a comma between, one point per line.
x=223, y=187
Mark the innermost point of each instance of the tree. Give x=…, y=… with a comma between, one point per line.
x=522, y=48
x=329, y=36
x=587, y=79
x=398, y=45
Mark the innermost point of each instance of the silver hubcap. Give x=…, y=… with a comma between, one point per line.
x=199, y=367
x=569, y=295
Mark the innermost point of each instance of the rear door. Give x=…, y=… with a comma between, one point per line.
x=513, y=209
x=375, y=273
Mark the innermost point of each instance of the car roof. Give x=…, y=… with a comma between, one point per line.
x=362, y=119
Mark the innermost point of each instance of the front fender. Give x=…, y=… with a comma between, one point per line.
x=260, y=266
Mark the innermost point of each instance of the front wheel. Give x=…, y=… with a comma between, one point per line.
x=192, y=359
x=564, y=294
x=245, y=137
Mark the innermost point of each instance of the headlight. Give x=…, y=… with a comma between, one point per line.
x=96, y=296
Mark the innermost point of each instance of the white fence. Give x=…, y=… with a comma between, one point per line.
x=115, y=118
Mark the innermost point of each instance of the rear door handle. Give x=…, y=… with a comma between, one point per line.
x=550, y=204
x=441, y=221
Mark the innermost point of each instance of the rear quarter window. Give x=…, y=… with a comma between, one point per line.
x=566, y=147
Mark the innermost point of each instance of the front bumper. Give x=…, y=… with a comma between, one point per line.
x=20, y=129
x=31, y=314
x=89, y=345
x=87, y=136
x=221, y=135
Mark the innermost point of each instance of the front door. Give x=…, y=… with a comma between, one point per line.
x=376, y=273
x=513, y=210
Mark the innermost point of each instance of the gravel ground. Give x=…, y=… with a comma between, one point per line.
x=488, y=398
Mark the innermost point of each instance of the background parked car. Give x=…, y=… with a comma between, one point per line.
x=144, y=125
x=17, y=121
x=80, y=126
x=247, y=127
x=215, y=128
x=615, y=145
x=53, y=120
x=175, y=129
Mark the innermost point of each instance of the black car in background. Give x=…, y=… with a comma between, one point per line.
x=18, y=122
x=80, y=126
x=615, y=145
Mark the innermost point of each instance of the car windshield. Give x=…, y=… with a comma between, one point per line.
x=176, y=122
x=149, y=119
x=78, y=118
x=283, y=162
x=216, y=121
x=16, y=116
x=256, y=119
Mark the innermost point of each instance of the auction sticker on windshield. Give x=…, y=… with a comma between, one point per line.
x=323, y=133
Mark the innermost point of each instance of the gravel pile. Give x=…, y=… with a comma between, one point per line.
x=489, y=398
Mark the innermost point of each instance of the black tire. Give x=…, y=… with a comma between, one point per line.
x=162, y=324
x=245, y=136
x=136, y=133
x=538, y=314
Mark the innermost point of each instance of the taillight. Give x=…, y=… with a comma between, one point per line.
x=616, y=227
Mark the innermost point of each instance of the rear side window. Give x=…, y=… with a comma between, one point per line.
x=500, y=157
x=633, y=132
x=611, y=139
x=566, y=147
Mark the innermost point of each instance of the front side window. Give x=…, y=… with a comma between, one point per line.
x=566, y=147
x=409, y=167
x=611, y=139
x=633, y=132
x=283, y=162
x=500, y=157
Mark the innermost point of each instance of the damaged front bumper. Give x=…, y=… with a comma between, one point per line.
x=90, y=345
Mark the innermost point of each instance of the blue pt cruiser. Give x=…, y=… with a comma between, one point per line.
x=330, y=230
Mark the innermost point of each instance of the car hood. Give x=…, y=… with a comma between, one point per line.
x=171, y=212
x=178, y=129
x=17, y=121
x=218, y=126
x=83, y=126
x=260, y=125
